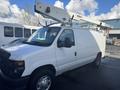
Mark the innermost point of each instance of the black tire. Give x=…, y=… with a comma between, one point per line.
x=40, y=74
x=97, y=61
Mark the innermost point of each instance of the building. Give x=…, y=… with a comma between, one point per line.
x=13, y=31
x=114, y=33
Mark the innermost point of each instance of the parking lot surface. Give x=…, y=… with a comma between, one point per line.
x=107, y=77
x=113, y=50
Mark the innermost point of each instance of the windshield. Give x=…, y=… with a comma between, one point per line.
x=44, y=36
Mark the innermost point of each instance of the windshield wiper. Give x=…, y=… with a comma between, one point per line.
x=37, y=43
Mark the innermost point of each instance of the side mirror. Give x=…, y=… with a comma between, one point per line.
x=66, y=43
x=60, y=44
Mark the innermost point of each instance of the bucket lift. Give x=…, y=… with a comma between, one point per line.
x=62, y=16
x=51, y=12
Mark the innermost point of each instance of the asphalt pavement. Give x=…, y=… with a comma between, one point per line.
x=107, y=77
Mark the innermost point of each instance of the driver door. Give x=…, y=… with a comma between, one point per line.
x=66, y=55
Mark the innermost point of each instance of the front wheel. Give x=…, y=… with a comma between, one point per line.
x=42, y=80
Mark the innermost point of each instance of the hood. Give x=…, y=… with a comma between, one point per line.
x=20, y=51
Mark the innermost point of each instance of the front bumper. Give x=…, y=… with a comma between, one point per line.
x=14, y=83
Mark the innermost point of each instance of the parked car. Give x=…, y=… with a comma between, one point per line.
x=13, y=31
x=109, y=41
x=14, y=43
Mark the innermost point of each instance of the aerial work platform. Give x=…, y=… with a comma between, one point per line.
x=63, y=16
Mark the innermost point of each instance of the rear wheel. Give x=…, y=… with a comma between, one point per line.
x=97, y=61
x=42, y=80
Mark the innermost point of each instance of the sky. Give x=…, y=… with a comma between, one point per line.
x=96, y=9
x=104, y=6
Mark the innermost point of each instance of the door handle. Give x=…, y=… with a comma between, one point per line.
x=75, y=53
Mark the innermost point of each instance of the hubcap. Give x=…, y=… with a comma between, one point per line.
x=44, y=83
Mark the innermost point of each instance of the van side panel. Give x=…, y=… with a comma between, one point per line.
x=87, y=46
x=40, y=58
x=100, y=38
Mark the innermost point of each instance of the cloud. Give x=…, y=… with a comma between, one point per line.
x=13, y=14
x=59, y=4
x=9, y=20
x=10, y=13
x=15, y=11
x=4, y=8
x=114, y=13
x=80, y=6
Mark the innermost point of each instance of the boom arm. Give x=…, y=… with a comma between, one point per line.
x=96, y=22
x=62, y=16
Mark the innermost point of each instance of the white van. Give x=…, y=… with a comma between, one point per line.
x=51, y=51
x=13, y=31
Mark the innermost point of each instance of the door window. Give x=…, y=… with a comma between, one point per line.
x=33, y=30
x=68, y=33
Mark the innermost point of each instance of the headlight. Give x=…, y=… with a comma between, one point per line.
x=19, y=66
x=19, y=63
x=13, y=69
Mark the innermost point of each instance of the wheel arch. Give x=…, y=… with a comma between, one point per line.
x=99, y=53
x=44, y=67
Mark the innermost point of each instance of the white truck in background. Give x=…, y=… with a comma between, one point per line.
x=53, y=50
x=12, y=31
